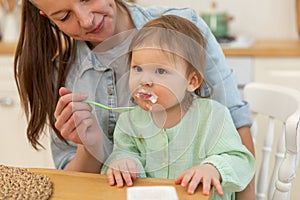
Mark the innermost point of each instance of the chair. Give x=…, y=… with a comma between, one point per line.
x=278, y=104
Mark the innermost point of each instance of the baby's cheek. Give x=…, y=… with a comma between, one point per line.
x=133, y=85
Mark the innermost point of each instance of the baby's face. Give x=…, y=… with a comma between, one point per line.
x=157, y=78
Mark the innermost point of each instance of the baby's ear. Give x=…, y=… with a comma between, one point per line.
x=194, y=82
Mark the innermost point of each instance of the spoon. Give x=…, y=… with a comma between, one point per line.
x=117, y=109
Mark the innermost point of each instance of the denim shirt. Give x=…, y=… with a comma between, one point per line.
x=96, y=75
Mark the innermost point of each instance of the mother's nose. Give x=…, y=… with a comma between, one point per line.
x=85, y=18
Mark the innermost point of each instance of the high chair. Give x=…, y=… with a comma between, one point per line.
x=277, y=104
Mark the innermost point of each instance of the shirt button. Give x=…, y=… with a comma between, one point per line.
x=164, y=165
x=110, y=91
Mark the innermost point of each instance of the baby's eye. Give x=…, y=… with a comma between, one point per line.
x=137, y=68
x=160, y=71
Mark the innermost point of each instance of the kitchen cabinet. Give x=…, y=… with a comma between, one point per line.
x=275, y=62
x=15, y=150
x=243, y=68
x=283, y=71
x=280, y=70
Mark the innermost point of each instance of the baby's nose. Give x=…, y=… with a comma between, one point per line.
x=146, y=79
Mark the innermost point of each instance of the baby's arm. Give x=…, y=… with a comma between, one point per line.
x=125, y=169
x=206, y=174
x=125, y=163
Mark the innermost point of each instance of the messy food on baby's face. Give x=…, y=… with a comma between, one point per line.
x=142, y=93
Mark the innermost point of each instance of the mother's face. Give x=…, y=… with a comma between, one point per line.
x=88, y=20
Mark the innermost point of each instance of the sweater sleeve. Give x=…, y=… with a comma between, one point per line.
x=227, y=153
x=124, y=147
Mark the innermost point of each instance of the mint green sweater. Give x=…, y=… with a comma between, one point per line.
x=206, y=134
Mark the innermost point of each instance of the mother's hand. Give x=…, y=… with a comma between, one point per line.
x=73, y=117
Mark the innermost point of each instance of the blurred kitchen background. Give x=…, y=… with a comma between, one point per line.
x=10, y=12
x=260, y=39
x=266, y=19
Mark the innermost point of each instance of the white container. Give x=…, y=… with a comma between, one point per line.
x=151, y=193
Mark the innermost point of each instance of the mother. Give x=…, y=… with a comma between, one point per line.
x=55, y=49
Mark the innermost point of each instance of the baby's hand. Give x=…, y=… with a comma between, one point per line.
x=125, y=169
x=207, y=174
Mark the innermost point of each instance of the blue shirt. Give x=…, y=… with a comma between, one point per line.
x=100, y=76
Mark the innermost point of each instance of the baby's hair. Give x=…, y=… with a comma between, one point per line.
x=178, y=36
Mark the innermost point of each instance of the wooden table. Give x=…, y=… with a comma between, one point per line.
x=78, y=185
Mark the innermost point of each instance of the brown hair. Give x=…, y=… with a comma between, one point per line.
x=43, y=54
x=178, y=36
x=43, y=59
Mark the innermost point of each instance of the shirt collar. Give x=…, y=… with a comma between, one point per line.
x=87, y=59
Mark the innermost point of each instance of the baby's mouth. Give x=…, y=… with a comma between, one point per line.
x=143, y=94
